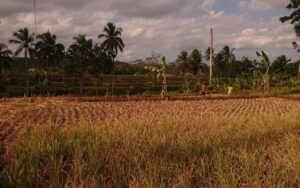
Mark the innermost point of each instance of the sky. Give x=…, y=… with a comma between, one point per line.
x=162, y=26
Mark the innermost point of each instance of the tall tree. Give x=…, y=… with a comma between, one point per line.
x=227, y=55
x=113, y=42
x=24, y=39
x=279, y=69
x=195, y=60
x=294, y=18
x=183, y=60
x=100, y=63
x=279, y=65
x=79, y=55
x=5, y=59
x=207, y=54
x=223, y=58
x=48, y=50
x=59, y=54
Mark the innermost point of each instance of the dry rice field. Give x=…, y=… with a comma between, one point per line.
x=146, y=142
x=65, y=111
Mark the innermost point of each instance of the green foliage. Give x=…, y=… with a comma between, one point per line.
x=48, y=51
x=24, y=39
x=83, y=60
x=264, y=70
x=160, y=71
x=265, y=62
x=5, y=59
x=113, y=42
x=294, y=17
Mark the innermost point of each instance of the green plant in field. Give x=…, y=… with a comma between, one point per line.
x=241, y=81
x=160, y=73
x=264, y=68
x=106, y=85
x=186, y=85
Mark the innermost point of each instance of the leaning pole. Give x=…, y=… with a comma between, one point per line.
x=211, y=55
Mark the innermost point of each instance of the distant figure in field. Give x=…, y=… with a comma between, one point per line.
x=203, y=89
x=230, y=88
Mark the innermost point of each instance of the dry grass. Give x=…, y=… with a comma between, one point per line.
x=216, y=143
x=66, y=112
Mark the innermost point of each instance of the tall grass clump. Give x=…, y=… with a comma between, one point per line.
x=258, y=152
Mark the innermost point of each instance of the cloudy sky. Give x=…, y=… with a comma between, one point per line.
x=162, y=26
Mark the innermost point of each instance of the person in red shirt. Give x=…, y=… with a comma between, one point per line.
x=203, y=89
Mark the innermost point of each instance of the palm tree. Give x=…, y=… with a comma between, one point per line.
x=207, y=54
x=112, y=43
x=278, y=69
x=59, y=53
x=101, y=61
x=25, y=40
x=196, y=60
x=224, y=57
x=183, y=59
x=80, y=54
x=48, y=51
x=5, y=58
x=47, y=48
x=227, y=55
x=279, y=65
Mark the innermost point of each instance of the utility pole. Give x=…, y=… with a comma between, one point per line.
x=211, y=55
x=35, y=19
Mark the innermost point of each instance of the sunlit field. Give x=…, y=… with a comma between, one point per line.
x=63, y=142
x=152, y=93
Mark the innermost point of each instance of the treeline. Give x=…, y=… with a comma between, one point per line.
x=46, y=61
x=45, y=54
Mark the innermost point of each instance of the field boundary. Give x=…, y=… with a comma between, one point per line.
x=175, y=98
x=186, y=97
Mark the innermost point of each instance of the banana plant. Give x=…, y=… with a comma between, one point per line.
x=160, y=72
x=264, y=66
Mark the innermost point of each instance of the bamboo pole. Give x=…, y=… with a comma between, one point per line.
x=211, y=56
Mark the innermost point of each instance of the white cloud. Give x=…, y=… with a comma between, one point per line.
x=262, y=4
x=183, y=25
x=207, y=4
